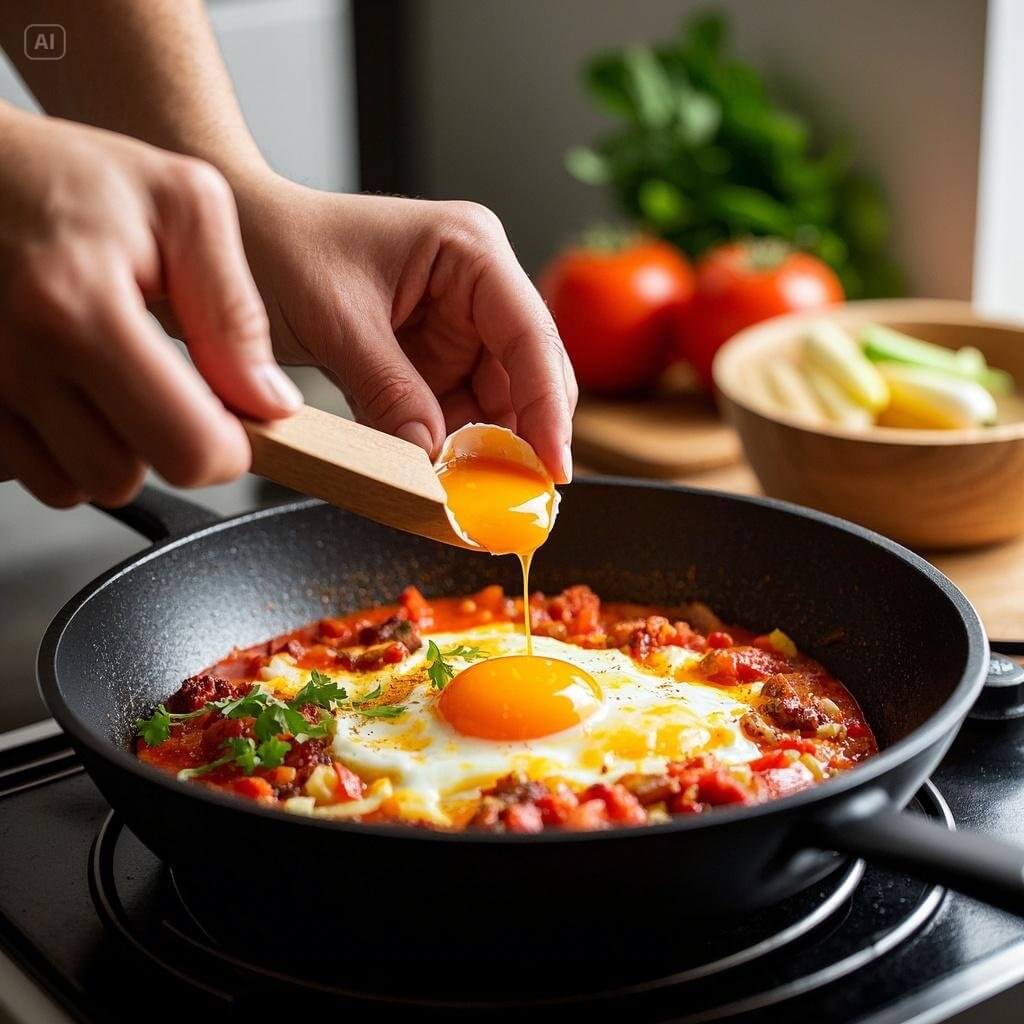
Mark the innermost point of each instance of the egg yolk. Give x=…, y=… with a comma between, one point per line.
x=519, y=698
x=504, y=507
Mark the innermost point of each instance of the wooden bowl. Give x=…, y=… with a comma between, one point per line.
x=925, y=488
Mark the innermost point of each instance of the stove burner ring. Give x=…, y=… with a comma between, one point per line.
x=193, y=943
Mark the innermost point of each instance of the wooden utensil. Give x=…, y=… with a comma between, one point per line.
x=354, y=467
x=931, y=489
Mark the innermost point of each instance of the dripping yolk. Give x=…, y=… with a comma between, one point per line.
x=520, y=697
x=504, y=507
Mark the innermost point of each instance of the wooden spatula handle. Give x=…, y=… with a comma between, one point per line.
x=355, y=467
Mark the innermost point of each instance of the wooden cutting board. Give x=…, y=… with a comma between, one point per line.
x=670, y=434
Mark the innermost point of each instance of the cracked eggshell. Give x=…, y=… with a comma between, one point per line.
x=489, y=441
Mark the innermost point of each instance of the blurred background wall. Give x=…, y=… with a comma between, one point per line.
x=497, y=100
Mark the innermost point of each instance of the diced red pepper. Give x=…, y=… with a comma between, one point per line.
x=856, y=730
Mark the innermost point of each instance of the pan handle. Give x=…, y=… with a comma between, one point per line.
x=158, y=514
x=988, y=869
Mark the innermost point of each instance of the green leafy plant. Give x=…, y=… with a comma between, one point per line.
x=703, y=154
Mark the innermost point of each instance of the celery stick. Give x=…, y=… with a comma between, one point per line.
x=882, y=344
x=828, y=348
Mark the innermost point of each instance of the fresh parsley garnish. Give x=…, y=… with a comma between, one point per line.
x=155, y=729
x=464, y=652
x=372, y=695
x=383, y=711
x=321, y=690
x=271, y=752
x=439, y=670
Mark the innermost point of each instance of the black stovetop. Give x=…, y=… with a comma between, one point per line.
x=100, y=924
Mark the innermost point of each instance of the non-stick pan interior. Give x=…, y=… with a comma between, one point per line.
x=881, y=623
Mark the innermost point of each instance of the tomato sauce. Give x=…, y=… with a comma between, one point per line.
x=805, y=723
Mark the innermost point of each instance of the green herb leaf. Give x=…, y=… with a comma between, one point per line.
x=383, y=711
x=321, y=690
x=373, y=695
x=157, y=728
x=249, y=705
x=271, y=752
x=203, y=769
x=703, y=153
x=243, y=753
x=464, y=652
x=439, y=671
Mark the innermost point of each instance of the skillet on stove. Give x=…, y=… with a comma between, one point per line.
x=897, y=633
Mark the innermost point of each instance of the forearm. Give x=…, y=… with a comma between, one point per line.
x=147, y=68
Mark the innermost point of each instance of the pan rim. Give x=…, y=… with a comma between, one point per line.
x=944, y=720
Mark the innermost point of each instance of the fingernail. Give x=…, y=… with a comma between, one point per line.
x=278, y=387
x=416, y=433
x=567, y=462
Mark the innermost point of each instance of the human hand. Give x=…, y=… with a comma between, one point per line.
x=92, y=226
x=418, y=310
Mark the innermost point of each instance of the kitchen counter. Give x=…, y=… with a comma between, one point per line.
x=992, y=577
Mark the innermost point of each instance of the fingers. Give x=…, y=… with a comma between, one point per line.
x=26, y=458
x=151, y=395
x=493, y=391
x=383, y=387
x=517, y=328
x=87, y=449
x=213, y=295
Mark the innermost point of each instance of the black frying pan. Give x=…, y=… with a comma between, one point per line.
x=893, y=629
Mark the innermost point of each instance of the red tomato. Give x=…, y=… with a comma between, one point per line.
x=741, y=283
x=615, y=310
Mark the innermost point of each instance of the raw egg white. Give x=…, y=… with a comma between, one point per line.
x=584, y=716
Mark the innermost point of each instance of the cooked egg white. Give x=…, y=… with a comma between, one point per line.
x=638, y=719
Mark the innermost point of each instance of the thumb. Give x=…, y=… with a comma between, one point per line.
x=214, y=298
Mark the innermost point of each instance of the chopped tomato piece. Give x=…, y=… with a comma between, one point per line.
x=720, y=787
x=588, y=816
x=253, y=787
x=282, y=775
x=556, y=805
x=778, y=782
x=773, y=759
x=623, y=808
x=805, y=746
x=416, y=607
x=350, y=786
x=524, y=818
x=856, y=730
x=719, y=639
x=337, y=629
